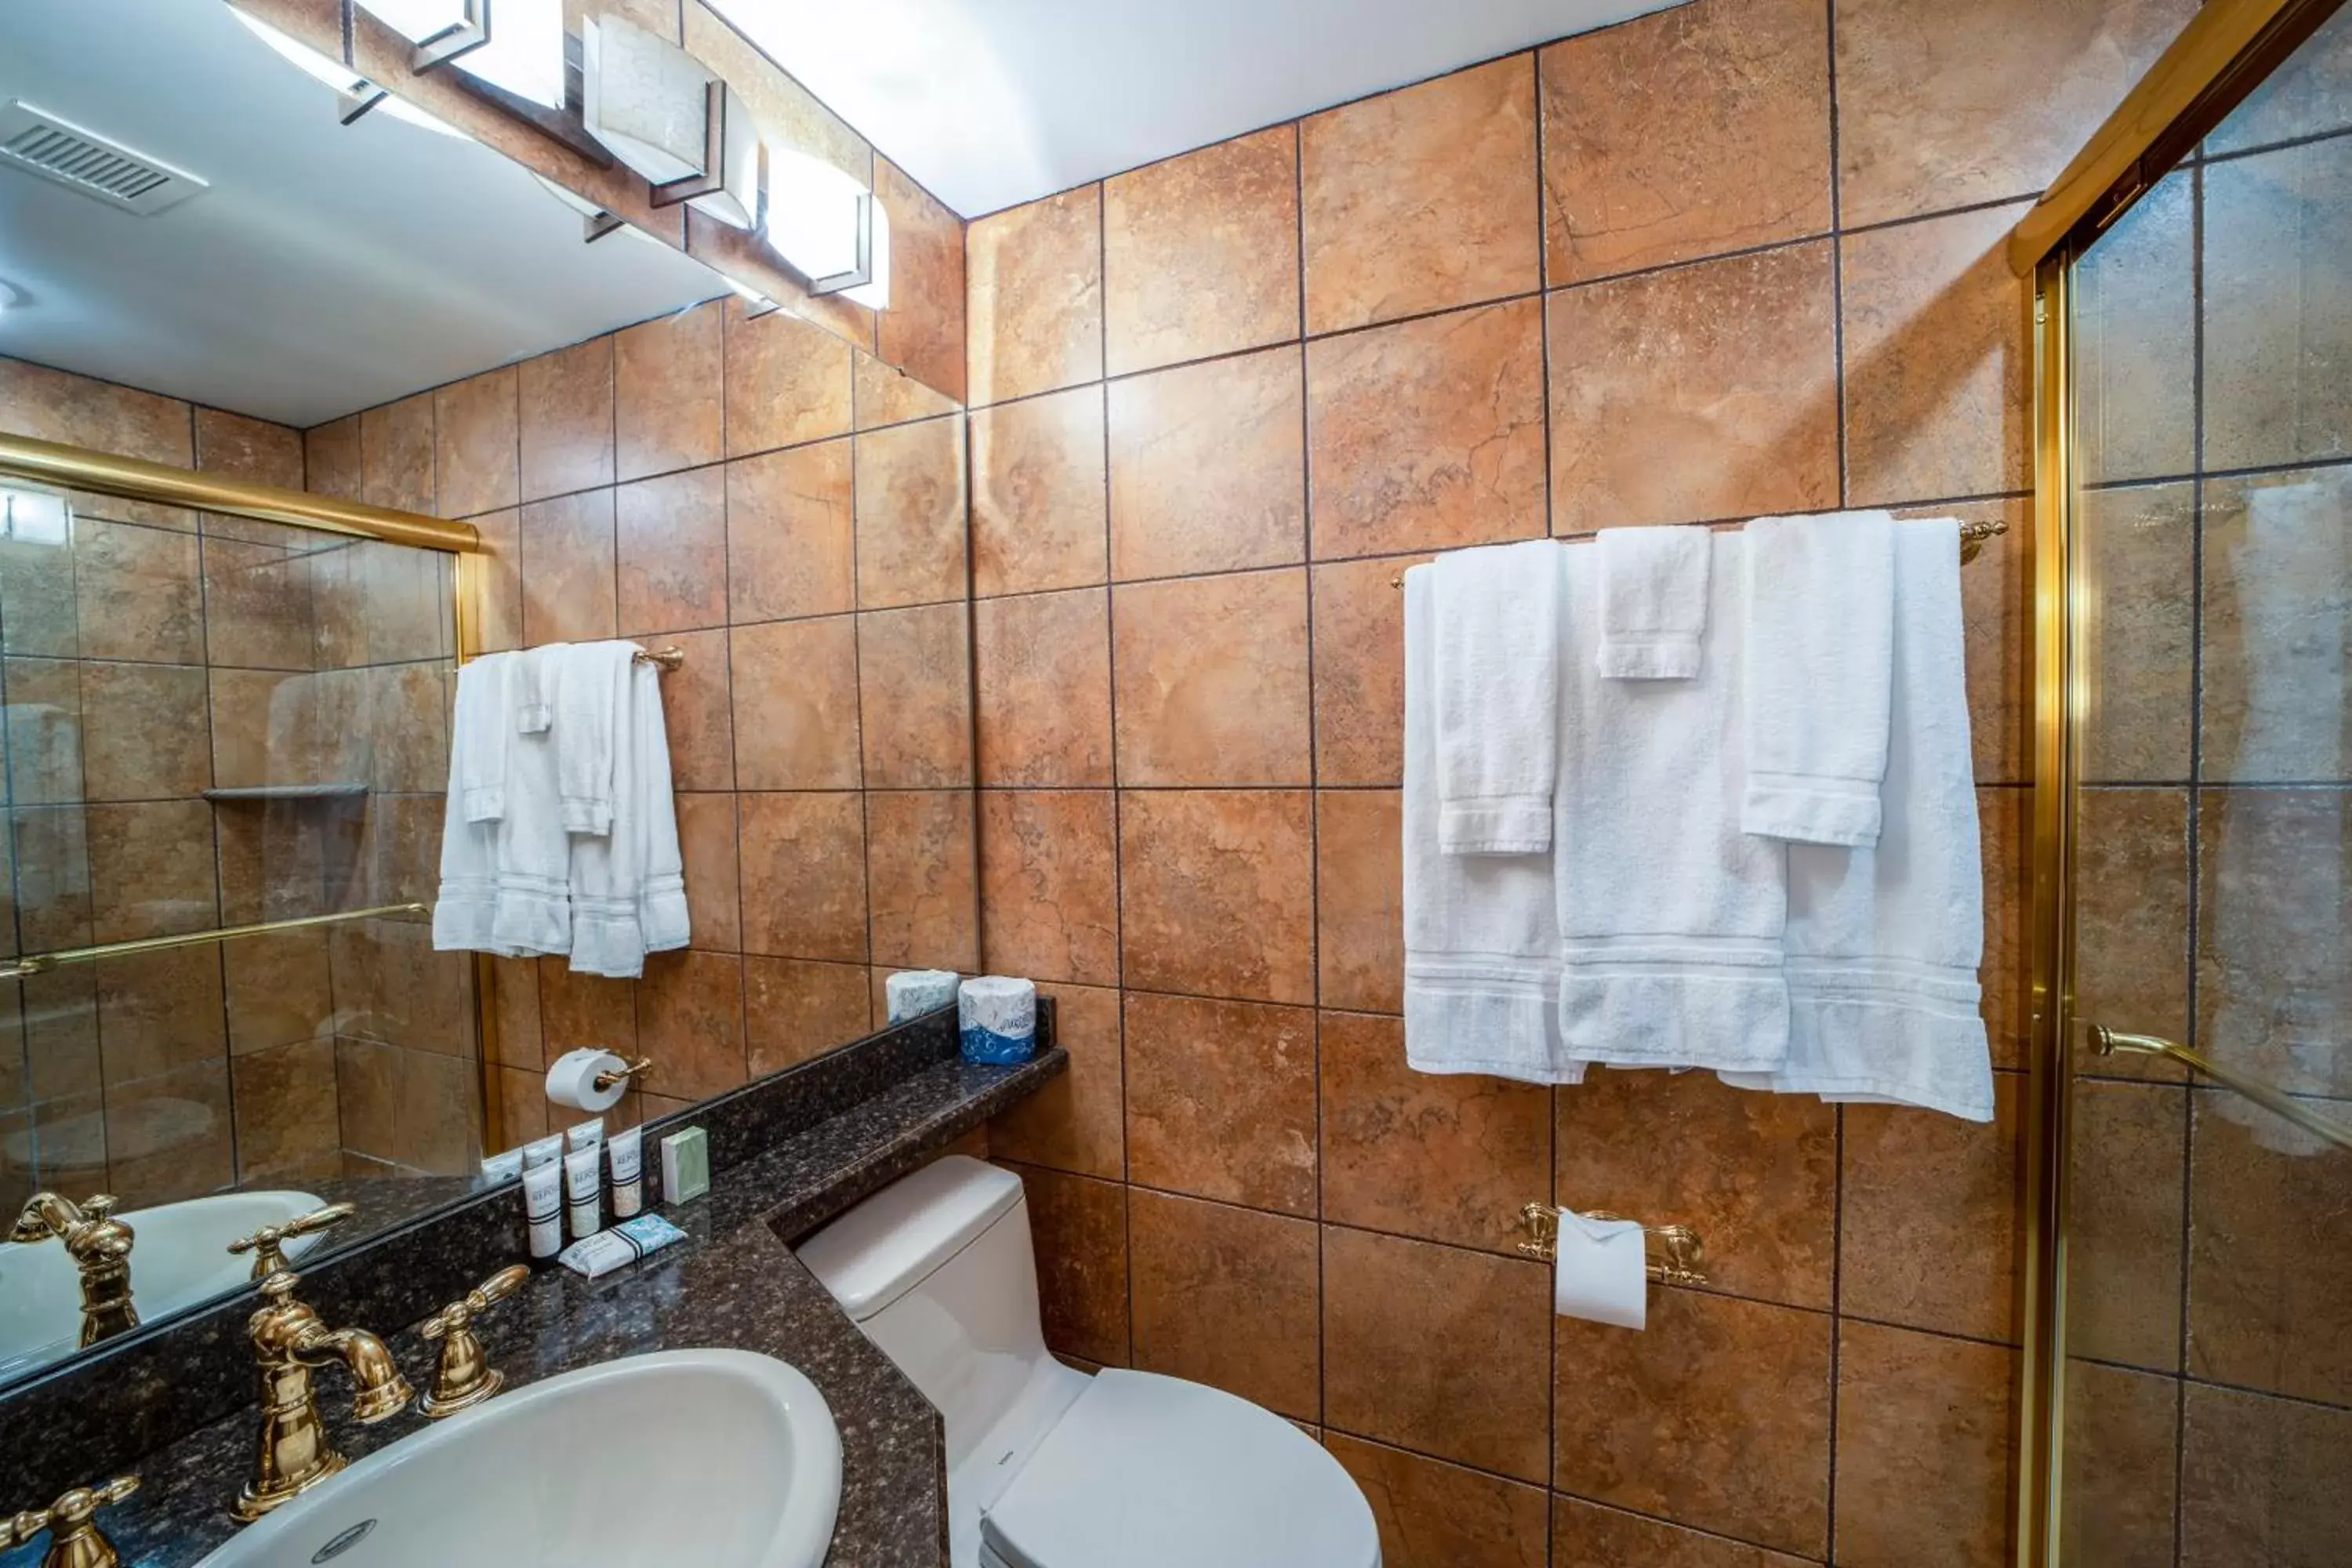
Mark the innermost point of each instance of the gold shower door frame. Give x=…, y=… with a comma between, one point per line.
x=2226, y=51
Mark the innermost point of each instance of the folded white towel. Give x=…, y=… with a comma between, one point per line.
x=628, y=887
x=1482, y=938
x=1821, y=607
x=477, y=737
x=1494, y=621
x=590, y=685
x=1883, y=942
x=1669, y=916
x=505, y=881
x=534, y=691
x=1653, y=602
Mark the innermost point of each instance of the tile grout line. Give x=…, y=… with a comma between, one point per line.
x=1551, y=1091
x=1845, y=492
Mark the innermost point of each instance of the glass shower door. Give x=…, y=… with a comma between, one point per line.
x=2208, y=1306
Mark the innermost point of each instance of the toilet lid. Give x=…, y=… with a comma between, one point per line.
x=1154, y=1472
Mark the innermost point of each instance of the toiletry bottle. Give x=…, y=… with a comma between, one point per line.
x=584, y=1190
x=542, y=1207
x=624, y=1155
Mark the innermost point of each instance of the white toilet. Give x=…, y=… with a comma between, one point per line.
x=1048, y=1468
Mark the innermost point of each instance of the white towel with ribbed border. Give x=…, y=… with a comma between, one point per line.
x=1652, y=601
x=478, y=728
x=1494, y=618
x=1821, y=616
x=1669, y=916
x=1482, y=938
x=506, y=883
x=628, y=886
x=1883, y=943
x=588, y=684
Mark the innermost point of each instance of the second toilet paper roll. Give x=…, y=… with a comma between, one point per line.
x=571, y=1080
x=1601, y=1272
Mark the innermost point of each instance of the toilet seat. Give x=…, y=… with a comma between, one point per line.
x=1146, y=1471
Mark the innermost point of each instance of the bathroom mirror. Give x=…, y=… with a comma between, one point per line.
x=214, y=722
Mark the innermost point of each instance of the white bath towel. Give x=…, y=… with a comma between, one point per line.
x=1495, y=622
x=478, y=736
x=588, y=685
x=1482, y=938
x=1652, y=601
x=1669, y=916
x=1883, y=942
x=505, y=882
x=534, y=692
x=1821, y=598
x=628, y=888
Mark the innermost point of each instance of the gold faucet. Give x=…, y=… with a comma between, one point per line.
x=288, y=1344
x=267, y=1242
x=74, y=1541
x=465, y=1376
x=99, y=1245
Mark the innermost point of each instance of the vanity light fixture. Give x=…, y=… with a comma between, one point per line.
x=827, y=227
x=515, y=46
x=668, y=117
x=595, y=223
x=355, y=94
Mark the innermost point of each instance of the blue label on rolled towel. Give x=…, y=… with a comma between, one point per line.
x=998, y=1017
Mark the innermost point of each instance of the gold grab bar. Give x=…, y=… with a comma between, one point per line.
x=42, y=963
x=2108, y=1042
x=1973, y=538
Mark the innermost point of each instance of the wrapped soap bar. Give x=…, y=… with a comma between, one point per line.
x=598, y=1255
x=998, y=1019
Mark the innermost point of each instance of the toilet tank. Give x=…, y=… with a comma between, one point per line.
x=938, y=1270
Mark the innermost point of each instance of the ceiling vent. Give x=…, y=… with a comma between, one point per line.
x=39, y=143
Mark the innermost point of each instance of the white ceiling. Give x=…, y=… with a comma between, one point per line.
x=992, y=102
x=328, y=268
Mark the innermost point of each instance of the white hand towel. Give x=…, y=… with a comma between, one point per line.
x=628, y=887
x=1653, y=602
x=1495, y=619
x=1820, y=603
x=477, y=742
x=1669, y=916
x=1883, y=943
x=590, y=686
x=1482, y=939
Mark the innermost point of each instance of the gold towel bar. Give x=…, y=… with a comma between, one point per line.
x=2108, y=1042
x=42, y=963
x=1973, y=536
x=662, y=659
x=1684, y=1252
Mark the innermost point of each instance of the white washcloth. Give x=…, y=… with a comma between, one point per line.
x=1820, y=617
x=478, y=738
x=534, y=692
x=1494, y=620
x=1482, y=937
x=589, y=686
x=1653, y=602
x=1883, y=943
x=628, y=887
x=1669, y=916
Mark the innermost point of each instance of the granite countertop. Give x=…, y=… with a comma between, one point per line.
x=732, y=1283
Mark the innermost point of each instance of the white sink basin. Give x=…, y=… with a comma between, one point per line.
x=179, y=1256
x=717, y=1459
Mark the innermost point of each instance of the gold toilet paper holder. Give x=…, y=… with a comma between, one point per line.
x=631, y=1073
x=1676, y=1254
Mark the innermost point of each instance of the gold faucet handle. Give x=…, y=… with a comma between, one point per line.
x=33, y=1222
x=73, y=1539
x=465, y=1377
x=267, y=1244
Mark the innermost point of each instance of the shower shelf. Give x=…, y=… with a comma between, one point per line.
x=286, y=792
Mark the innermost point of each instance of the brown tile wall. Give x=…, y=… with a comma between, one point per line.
x=789, y=512
x=1662, y=273
x=166, y=653
x=2207, y=1310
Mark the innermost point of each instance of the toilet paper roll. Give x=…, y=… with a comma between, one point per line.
x=571, y=1080
x=998, y=1018
x=1601, y=1273
x=915, y=992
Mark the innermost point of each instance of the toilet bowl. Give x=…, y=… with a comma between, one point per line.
x=1048, y=1466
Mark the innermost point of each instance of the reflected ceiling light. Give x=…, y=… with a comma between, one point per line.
x=513, y=44
x=358, y=94
x=661, y=112
x=35, y=517
x=595, y=223
x=828, y=228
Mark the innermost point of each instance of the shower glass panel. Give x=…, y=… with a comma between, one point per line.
x=214, y=722
x=2209, y=1286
